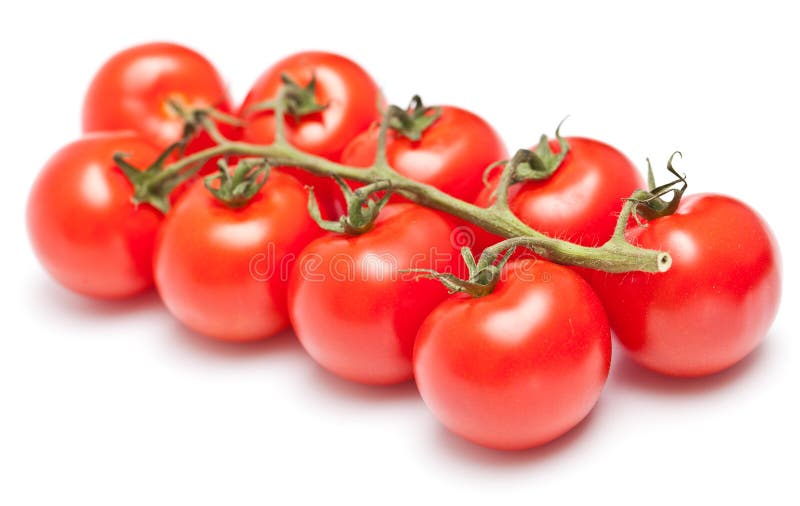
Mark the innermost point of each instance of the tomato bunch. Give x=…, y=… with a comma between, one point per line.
x=315, y=205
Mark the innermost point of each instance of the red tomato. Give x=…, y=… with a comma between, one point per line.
x=352, y=310
x=350, y=94
x=351, y=97
x=223, y=272
x=131, y=92
x=580, y=202
x=83, y=226
x=518, y=367
x=716, y=302
x=452, y=154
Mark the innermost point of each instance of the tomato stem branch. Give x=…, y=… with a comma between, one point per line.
x=614, y=256
x=280, y=117
x=380, y=152
x=506, y=180
x=213, y=131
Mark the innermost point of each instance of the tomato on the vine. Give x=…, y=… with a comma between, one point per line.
x=451, y=153
x=223, y=271
x=84, y=228
x=351, y=308
x=580, y=201
x=715, y=303
x=133, y=90
x=344, y=101
x=347, y=96
x=518, y=367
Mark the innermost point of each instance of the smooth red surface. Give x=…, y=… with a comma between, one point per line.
x=82, y=224
x=352, y=310
x=349, y=92
x=519, y=367
x=715, y=304
x=580, y=202
x=352, y=99
x=452, y=154
x=224, y=272
x=131, y=90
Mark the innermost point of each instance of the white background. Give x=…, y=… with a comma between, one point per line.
x=106, y=403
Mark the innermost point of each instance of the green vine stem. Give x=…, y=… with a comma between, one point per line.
x=362, y=209
x=616, y=255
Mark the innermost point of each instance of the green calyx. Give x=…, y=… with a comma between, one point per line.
x=299, y=101
x=193, y=120
x=527, y=165
x=154, y=184
x=362, y=208
x=541, y=164
x=412, y=122
x=238, y=186
x=484, y=274
x=651, y=204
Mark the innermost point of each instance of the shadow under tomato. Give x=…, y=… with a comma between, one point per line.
x=470, y=452
x=283, y=343
x=51, y=298
x=626, y=373
x=331, y=384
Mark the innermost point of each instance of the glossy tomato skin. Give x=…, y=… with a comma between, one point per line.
x=580, y=202
x=82, y=224
x=223, y=272
x=351, y=96
x=452, y=154
x=351, y=309
x=131, y=92
x=519, y=367
x=716, y=302
x=352, y=99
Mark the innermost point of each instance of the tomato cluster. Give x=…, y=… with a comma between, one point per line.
x=146, y=199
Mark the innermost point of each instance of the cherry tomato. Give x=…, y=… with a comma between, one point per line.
x=350, y=95
x=223, y=271
x=352, y=310
x=351, y=98
x=518, y=367
x=716, y=302
x=580, y=202
x=132, y=90
x=452, y=153
x=83, y=226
